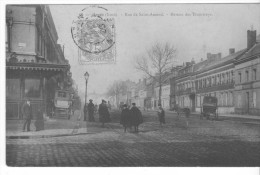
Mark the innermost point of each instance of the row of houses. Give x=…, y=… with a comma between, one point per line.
x=233, y=79
x=35, y=62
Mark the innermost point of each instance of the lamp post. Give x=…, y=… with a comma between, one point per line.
x=86, y=75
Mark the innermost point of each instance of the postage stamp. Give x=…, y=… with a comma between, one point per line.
x=94, y=34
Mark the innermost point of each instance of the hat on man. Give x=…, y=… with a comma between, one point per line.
x=133, y=104
x=160, y=105
x=90, y=100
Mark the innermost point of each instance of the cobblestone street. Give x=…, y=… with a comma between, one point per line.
x=201, y=143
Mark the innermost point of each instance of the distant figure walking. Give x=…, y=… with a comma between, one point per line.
x=91, y=109
x=104, y=115
x=27, y=114
x=125, y=119
x=136, y=116
x=161, y=114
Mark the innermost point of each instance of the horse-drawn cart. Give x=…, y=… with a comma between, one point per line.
x=209, y=107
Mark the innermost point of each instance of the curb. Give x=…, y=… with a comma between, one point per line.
x=44, y=136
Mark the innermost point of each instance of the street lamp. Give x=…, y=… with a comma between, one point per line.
x=86, y=75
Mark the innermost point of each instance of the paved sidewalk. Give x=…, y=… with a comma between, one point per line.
x=62, y=128
x=52, y=128
x=220, y=115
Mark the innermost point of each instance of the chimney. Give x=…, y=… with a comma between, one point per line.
x=211, y=57
x=231, y=51
x=188, y=63
x=251, y=38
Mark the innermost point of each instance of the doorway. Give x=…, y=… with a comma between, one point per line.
x=247, y=102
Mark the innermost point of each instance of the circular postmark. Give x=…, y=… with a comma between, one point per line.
x=92, y=32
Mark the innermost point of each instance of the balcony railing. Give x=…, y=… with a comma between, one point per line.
x=186, y=91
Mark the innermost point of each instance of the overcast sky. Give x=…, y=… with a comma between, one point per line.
x=193, y=36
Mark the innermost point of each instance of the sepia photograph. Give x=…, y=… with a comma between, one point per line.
x=132, y=85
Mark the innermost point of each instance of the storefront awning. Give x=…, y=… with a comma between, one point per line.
x=37, y=66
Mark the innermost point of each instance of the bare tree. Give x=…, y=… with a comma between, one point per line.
x=116, y=88
x=156, y=63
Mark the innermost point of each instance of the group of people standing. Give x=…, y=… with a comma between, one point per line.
x=131, y=117
x=90, y=109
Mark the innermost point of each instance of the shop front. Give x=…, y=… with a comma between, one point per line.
x=28, y=81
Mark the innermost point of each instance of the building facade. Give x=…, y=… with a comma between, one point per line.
x=35, y=64
x=185, y=87
x=247, y=78
x=217, y=79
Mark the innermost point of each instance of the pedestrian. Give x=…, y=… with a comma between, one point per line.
x=103, y=112
x=85, y=110
x=136, y=117
x=27, y=114
x=161, y=115
x=39, y=122
x=187, y=115
x=91, y=109
x=125, y=118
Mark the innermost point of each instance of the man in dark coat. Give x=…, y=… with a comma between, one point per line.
x=85, y=110
x=161, y=115
x=136, y=117
x=27, y=114
x=103, y=112
x=91, y=109
x=125, y=119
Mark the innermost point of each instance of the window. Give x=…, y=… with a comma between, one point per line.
x=254, y=74
x=62, y=94
x=6, y=37
x=239, y=100
x=231, y=98
x=198, y=100
x=240, y=77
x=247, y=76
x=12, y=88
x=8, y=25
x=227, y=77
x=39, y=41
x=32, y=88
x=232, y=77
x=254, y=99
x=226, y=99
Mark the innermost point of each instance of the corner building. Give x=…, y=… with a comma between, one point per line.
x=35, y=63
